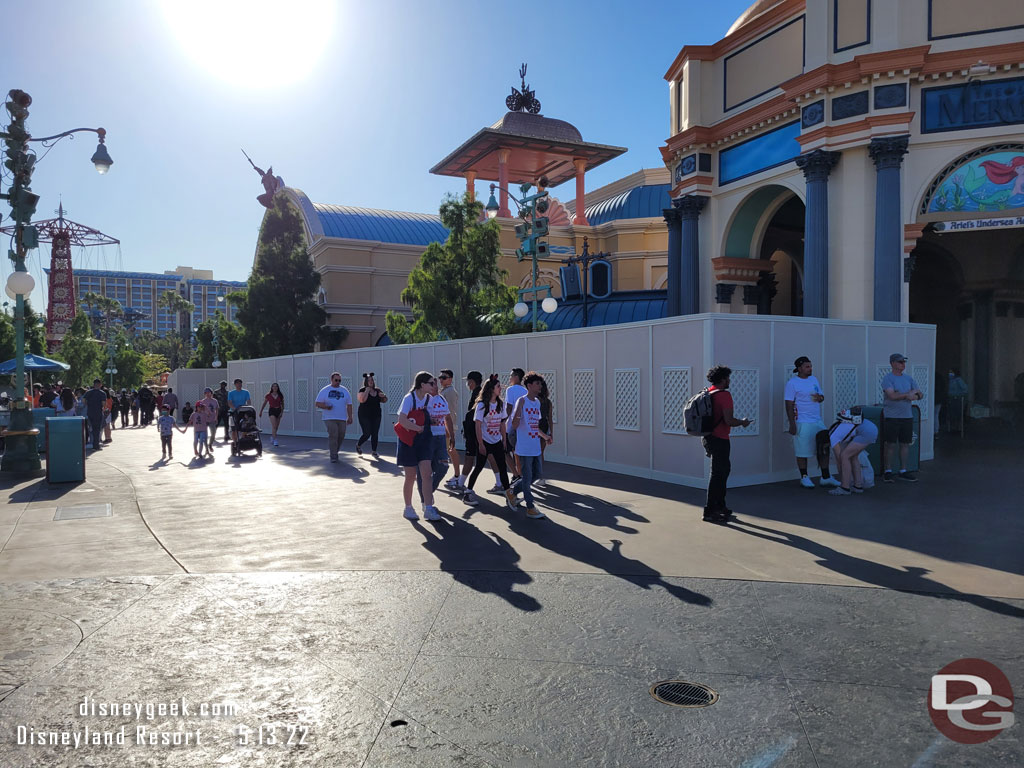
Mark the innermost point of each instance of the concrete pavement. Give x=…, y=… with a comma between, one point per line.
x=293, y=589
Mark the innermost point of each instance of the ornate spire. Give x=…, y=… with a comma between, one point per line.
x=524, y=100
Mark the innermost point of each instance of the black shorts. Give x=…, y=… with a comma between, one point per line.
x=472, y=448
x=275, y=412
x=899, y=431
x=222, y=419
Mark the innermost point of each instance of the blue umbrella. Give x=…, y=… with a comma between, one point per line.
x=34, y=363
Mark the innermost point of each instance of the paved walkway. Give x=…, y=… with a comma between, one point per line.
x=293, y=590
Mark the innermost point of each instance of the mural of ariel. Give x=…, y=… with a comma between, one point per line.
x=993, y=182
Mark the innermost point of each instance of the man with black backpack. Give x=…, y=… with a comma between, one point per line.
x=716, y=441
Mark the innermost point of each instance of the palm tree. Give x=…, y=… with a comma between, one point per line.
x=179, y=305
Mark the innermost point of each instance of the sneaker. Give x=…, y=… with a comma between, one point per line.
x=375, y=455
x=540, y=482
x=887, y=477
x=359, y=450
x=470, y=498
x=840, y=491
x=715, y=517
x=410, y=514
x=534, y=514
x=431, y=513
x=830, y=481
x=856, y=489
x=496, y=489
x=806, y=482
x=909, y=477
x=510, y=500
x=452, y=485
x=334, y=460
x=273, y=442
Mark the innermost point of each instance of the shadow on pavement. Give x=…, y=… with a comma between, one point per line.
x=572, y=544
x=588, y=509
x=456, y=544
x=909, y=579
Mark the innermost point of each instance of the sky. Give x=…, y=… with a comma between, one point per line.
x=351, y=102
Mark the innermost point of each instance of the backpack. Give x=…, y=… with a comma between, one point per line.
x=697, y=414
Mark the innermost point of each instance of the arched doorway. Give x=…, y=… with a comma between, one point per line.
x=936, y=294
x=769, y=225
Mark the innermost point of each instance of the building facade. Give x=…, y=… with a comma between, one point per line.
x=139, y=295
x=861, y=160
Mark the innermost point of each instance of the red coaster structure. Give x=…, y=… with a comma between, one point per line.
x=61, y=306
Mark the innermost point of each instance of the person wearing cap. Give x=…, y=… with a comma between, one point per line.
x=852, y=435
x=237, y=397
x=803, y=398
x=898, y=391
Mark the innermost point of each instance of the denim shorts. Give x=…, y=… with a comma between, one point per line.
x=422, y=449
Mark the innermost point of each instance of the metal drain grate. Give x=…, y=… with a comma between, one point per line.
x=679, y=693
x=80, y=511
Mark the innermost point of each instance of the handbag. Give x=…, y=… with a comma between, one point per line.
x=419, y=417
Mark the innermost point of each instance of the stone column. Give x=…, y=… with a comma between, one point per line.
x=888, y=155
x=817, y=166
x=581, y=216
x=689, y=274
x=503, y=157
x=674, y=220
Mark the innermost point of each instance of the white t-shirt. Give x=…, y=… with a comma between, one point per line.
x=491, y=429
x=799, y=391
x=437, y=410
x=339, y=400
x=527, y=433
x=410, y=402
x=512, y=393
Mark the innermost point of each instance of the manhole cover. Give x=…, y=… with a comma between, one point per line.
x=80, y=511
x=680, y=693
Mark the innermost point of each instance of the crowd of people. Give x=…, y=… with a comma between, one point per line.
x=845, y=441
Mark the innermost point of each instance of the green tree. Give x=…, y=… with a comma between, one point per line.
x=180, y=306
x=7, y=345
x=127, y=361
x=277, y=312
x=457, y=290
x=82, y=352
x=153, y=365
x=228, y=333
x=35, y=331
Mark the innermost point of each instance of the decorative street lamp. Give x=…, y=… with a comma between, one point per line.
x=529, y=233
x=21, y=456
x=216, y=334
x=585, y=258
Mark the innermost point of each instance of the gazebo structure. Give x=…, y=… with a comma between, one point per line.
x=522, y=147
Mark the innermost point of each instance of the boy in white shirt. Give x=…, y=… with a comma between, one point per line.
x=803, y=398
x=526, y=424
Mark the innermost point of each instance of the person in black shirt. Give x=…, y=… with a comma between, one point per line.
x=95, y=400
x=370, y=399
x=46, y=399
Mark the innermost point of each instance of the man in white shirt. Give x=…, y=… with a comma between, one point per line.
x=803, y=398
x=335, y=404
x=526, y=421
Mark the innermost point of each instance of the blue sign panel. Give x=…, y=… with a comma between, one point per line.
x=975, y=104
x=777, y=147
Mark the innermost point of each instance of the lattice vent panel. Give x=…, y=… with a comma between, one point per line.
x=675, y=391
x=583, y=397
x=627, y=399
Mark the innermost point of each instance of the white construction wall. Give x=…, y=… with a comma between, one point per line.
x=619, y=390
x=188, y=383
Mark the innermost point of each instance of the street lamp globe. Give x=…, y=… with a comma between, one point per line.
x=491, y=209
x=520, y=309
x=20, y=282
x=549, y=304
x=101, y=158
x=216, y=363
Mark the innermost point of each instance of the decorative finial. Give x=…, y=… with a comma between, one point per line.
x=524, y=100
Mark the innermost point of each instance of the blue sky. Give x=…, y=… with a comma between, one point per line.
x=397, y=86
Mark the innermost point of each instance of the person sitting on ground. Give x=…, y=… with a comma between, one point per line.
x=186, y=412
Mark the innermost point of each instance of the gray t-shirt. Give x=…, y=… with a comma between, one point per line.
x=898, y=409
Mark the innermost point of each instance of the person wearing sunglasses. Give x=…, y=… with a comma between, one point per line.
x=335, y=405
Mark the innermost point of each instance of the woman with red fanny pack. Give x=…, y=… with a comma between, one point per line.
x=415, y=445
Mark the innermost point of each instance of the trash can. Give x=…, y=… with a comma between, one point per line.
x=874, y=413
x=39, y=418
x=65, y=449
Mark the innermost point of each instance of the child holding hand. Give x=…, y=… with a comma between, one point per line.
x=198, y=423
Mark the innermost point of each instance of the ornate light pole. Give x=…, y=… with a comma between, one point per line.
x=585, y=258
x=529, y=233
x=216, y=334
x=21, y=456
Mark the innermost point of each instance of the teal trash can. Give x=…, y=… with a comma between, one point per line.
x=874, y=414
x=39, y=417
x=65, y=449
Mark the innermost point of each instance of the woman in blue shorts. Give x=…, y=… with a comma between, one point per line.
x=417, y=457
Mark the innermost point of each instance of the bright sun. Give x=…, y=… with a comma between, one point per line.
x=253, y=43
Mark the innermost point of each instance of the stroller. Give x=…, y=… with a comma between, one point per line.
x=248, y=431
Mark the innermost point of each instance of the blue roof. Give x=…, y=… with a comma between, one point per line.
x=383, y=226
x=216, y=282
x=123, y=275
x=637, y=203
x=620, y=307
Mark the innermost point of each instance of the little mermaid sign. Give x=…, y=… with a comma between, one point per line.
x=990, y=182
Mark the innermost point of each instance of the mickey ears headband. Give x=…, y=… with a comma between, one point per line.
x=368, y=375
x=493, y=377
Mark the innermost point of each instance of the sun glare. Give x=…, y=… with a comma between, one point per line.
x=255, y=43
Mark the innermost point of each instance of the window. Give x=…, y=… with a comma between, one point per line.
x=600, y=279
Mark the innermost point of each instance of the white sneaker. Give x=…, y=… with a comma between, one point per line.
x=830, y=481
x=273, y=442
x=410, y=514
x=452, y=485
x=431, y=513
x=496, y=489
x=469, y=498
x=540, y=482
x=806, y=482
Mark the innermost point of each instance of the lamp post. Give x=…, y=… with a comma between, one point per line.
x=21, y=456
x=216, y=334
x=111, y=369
x=529, y=233
x=584, y=258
